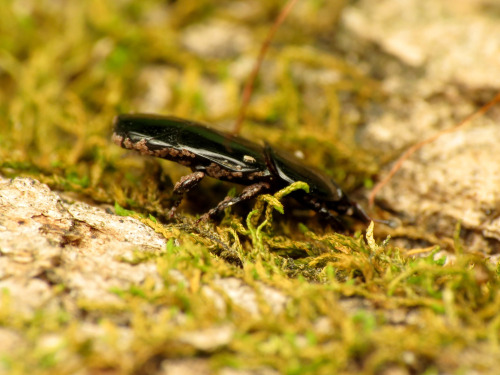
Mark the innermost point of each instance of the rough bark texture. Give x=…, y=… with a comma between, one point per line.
x=447, y=66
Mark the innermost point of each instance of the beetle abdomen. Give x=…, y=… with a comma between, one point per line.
x=221, y=155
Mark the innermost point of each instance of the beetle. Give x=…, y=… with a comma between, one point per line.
x=227, y=157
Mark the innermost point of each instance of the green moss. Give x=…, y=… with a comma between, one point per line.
x=353, y=304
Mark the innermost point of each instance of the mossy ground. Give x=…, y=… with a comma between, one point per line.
x=66, y=70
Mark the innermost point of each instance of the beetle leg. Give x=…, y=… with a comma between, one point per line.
x=248, y=193
x=357, y=212
x=185, y=184
x=321, y=209
x=337, y=223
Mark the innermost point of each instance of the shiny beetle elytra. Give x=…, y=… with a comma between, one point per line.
x=209, y=152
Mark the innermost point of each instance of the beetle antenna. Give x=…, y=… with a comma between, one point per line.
x=389, y=223
x=361, y=214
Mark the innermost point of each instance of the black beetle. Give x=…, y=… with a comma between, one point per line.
x=230, y=158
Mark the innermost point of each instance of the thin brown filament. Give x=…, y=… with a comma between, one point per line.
x=247, y=91
x=419, y=145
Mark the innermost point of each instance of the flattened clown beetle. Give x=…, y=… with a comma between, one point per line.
x=213, y=153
